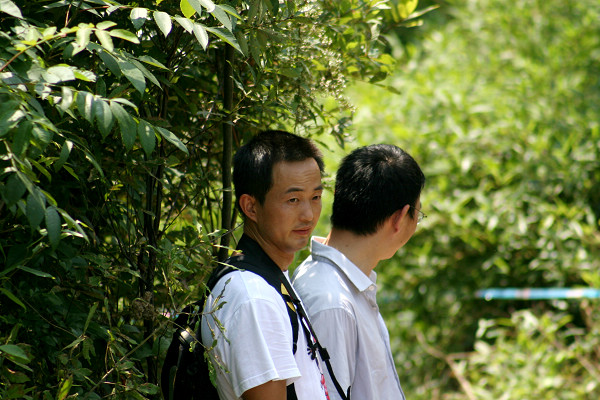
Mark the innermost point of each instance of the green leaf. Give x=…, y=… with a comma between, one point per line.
x=199, y=5
x=83, y=75
x=93, y=161
x=152, y=61
x=105, y=25
x=185, y=24
x=111, y=62
x=14, y=298
x=13, y=190
x=201, y=35
x=148, y=388
x=223, y=17
x=147, y=137
x=36, y=272
x=163, y=20
x=229, y=10
x=59, y=73
x=89, y=318
x=9, y=118
x=241, y=39
x=226, y=36
x=83, y=35
x=126, y=123
x=35, y=209
x=66, y=98
x=65, y=151
x=105, y=39
x=125, y=35
x=85, y=101
x=53, y=226
x=103, y=116
x=138, y=17
x=208, y=4
x=8, y=7
x=149, y=75
x=65, y=388
x=170, y=137
x=14, y=351
x=186, y=9
x=133, y=74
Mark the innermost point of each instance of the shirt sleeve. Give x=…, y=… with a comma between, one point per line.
x=259, y=345
x=337, y=331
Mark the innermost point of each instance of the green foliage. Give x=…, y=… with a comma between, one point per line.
x=498, y=107
x=114, y=119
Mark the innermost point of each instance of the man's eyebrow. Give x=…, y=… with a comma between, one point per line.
x=297, y=189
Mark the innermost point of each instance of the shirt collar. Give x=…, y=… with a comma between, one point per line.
x=339, y=260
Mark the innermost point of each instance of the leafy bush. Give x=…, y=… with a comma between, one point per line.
x=498, y=107
x=117, y=126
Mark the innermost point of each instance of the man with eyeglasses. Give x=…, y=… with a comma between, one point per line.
x=376, y=209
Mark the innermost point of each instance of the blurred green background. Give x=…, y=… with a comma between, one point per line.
x=499, y=104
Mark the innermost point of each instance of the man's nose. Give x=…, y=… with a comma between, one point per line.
x=307, y=213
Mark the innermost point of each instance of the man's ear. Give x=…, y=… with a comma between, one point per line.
x=248, y=205
x=399, y=216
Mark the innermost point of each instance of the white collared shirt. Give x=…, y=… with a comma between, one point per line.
x=255, y=344
x=341, y=303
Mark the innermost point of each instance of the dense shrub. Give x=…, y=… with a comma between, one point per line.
x=499, y=108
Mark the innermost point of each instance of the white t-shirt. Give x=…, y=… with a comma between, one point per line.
x=341, y=304
x=255, y=344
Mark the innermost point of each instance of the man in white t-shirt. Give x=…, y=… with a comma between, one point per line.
x=277, y=180
x=376, y=209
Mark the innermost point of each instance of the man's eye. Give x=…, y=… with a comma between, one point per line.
x=293, y=200
x=317, y=197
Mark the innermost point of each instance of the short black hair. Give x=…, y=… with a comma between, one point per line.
x=253, y=162
x=372, y=183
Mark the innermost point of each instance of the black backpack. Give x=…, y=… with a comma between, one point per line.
x=185, y=373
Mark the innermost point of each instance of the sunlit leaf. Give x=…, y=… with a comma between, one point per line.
x=125, y=35
x=85, y=101
x=83, y=35
x=106, y=25
x=105, y=39
x=163, y=20
x=133, y=74
x=229, y=10
x=186, y=9
x=64, y=155
x=223, y=17
x=8, y=7
x=138, y=17
x=226, y=36
x=66, y=98
x=170, y=137
x=201, y=35
x=185, y=24
x=152, y=61
x=59, y=73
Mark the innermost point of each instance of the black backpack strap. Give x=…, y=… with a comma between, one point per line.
x=316, y=347
x=272, y=275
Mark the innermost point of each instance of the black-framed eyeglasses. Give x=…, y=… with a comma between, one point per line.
x=421, y=216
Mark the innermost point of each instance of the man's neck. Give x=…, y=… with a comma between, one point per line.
x=283, y=260
x=363, y=251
